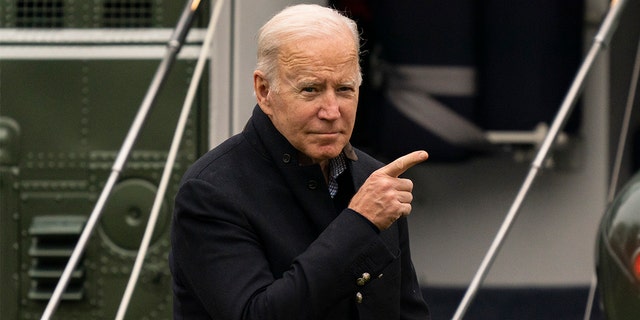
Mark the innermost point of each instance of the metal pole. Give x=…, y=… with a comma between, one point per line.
x=173, y=48
x=166, y=175
x=601, y=40
x=615, y=174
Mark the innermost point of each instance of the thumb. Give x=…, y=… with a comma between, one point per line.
x=402, y=164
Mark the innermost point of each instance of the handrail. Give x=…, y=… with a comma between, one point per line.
x=617, y=164
x=601, y=40
x=166, y=175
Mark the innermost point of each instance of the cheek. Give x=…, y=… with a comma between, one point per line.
x=290, y=121
x=349, y=113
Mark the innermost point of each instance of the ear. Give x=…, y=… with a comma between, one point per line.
x=261, y=90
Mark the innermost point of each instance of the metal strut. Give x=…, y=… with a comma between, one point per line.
x=601, y=40
x=166, y=175
x=617, y=165
x=173, y=48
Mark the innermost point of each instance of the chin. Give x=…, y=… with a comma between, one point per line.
x=321, y=151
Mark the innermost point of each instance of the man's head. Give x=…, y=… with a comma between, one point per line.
x=308, y=77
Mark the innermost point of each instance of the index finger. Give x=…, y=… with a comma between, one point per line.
x=402, y=164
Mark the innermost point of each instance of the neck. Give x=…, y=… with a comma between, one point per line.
x=324, y=166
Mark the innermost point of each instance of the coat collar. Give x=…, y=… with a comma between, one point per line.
x=306, y=182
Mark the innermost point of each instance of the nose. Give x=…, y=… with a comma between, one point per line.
x=330, y=109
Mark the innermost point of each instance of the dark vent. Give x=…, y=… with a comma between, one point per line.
x=53, y=239
x=39, y=13
x=127, y=14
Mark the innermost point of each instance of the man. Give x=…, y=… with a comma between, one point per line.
x=286, y=220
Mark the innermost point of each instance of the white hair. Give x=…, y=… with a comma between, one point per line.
x=298, y=22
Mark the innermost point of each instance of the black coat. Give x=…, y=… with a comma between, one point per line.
x=255, y=235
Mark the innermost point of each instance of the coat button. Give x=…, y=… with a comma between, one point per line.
x=359, y=297
x=312, y=184
x=364, y=279
x=286, y=158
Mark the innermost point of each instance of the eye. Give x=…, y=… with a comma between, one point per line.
x=346, y=90
x=309, y=89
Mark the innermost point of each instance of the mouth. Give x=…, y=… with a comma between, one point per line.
x=327, y=130
x=327, y=135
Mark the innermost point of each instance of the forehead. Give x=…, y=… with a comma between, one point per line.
x=316, y=55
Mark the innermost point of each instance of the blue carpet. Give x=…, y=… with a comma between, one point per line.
x=566, y=303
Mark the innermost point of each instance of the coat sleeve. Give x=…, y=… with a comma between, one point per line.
x=412, y=304
x=219, y=261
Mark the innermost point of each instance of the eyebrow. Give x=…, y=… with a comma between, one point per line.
x=307, y=83
x=350, y=82
x=316, y=82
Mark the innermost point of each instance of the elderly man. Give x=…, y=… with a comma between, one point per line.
x=286, y=220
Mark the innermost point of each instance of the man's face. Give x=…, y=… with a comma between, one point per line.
x=315, y=103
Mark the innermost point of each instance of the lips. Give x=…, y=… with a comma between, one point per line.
x=327, y=135
x=325, y=132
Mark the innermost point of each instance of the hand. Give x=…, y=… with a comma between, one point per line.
x=383, y=198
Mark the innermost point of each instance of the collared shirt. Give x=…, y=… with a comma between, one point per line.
x=337, y=166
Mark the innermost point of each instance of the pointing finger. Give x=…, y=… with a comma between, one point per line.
x=402, y=164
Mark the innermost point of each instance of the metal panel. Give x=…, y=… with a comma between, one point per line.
x=63, y=118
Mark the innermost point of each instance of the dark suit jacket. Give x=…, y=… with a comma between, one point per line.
x=255, y=236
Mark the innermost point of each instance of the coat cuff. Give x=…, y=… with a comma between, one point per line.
x=373, y=226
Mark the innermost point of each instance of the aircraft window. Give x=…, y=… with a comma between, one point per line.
x=39, y=13
x=127, y=14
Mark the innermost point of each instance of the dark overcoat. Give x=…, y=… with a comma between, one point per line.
x=255, y=235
